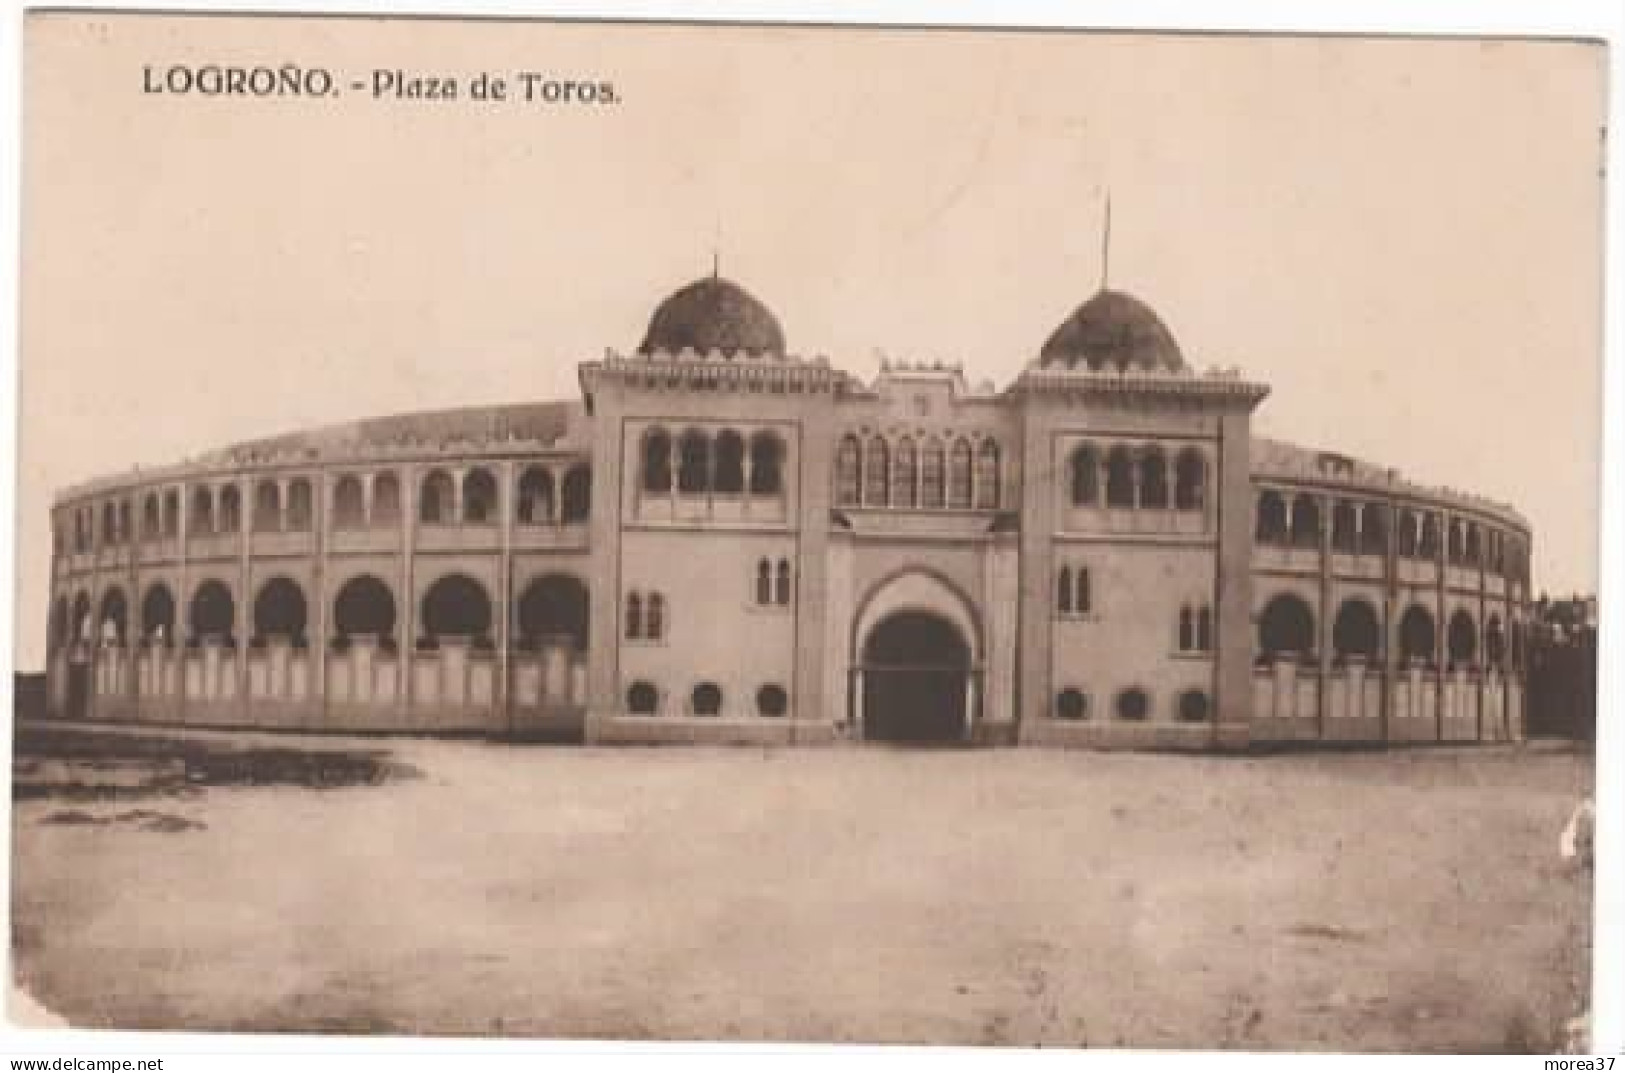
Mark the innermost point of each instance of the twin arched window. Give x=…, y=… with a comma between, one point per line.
x=773, y=583
x=1196, y=628
x=1295, y=523
x=1072, y=593
x=645, y=616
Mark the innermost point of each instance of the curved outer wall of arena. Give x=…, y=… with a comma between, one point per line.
x=722, y=541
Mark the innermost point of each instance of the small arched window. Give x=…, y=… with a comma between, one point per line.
x=172, y=514
x=575, y=496
x=1374, y=529
x=1204, y=629
x=349, y=510
x=904, y=474
x=1428, y=547
x=634, y=616
x=959, y=475
x=728, y=477
x=848, y=472
x=151, y=522
x=1345, y=527
x=876, y=472
x=231, y=509
x=1454, y=552
x=301, y=508
x=201, y=521
x=1474, y=552
x=267, y=507
x=1085, y=476
x=536, y=495
x=642, y=698
x=706, y=699
x=386, y=500
x=1083, y=602
x=654, y=620
x=438, y=498
x=1187, y=629
x=1271, y=522
x=764, y=582
x=987, y=476
x=479, y=497
x=1408, y=542
x=1153, y=478
x=1190, y=476
x=1063, y=591
x=1119, y=477
x=693, y=462
x=1305, y=521
x=657, y=461
x=933, y=475
x=781, y=584
x=766, y=465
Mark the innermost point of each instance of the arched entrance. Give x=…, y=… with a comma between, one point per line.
x=915, y=672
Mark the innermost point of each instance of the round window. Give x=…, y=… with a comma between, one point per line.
x=1133, y=704
x=642, y=699
x=771, y=700
x=1071, y=704
x=1193, y=706
x=706, y=699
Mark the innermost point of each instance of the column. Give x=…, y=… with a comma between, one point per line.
x=1324, y=620
x=855, y=688
x=505, y=504
x=406, y=612
x=321, y=639
x=1441, y=624
x=245, y=601
x=1233, y=625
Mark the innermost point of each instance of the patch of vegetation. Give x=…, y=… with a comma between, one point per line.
x=76, y=764
x=146, y=819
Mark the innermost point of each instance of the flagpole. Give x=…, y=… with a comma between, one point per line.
x=1106, y=243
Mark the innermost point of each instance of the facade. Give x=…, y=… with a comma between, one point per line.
x=721, y=541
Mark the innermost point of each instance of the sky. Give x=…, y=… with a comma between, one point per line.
x=1401, y=236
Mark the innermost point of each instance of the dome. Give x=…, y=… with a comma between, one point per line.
x=1112, y=330
x=714, y=314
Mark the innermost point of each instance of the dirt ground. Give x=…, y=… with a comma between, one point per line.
x=1408, y=900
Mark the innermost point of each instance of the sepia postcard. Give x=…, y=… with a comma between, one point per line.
x=807, y=534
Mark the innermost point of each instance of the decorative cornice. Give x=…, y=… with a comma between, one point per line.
x=1067, y=383
x=713, y=370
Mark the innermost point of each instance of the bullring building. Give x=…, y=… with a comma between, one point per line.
x=722, y=541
